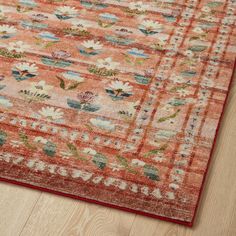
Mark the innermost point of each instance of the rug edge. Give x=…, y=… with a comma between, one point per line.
x=214, y=144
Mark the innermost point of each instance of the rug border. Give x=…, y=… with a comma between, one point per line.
x=214, y=143
x=188, y=224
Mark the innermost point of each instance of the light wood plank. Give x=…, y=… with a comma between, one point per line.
x=55, y=215
x=16, y=205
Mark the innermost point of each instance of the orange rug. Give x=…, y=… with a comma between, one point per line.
x=114, y=102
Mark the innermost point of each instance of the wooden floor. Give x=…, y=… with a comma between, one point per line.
x=29, y=212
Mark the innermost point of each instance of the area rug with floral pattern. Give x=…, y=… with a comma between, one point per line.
x=114, y=102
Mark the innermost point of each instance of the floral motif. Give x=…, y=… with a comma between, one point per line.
x=85, y=102
x=66, y=12
x=24, y=71
x=104, y=67
x=7, y=31
x=103, y=93
x=90, y=48
x=150, y=27
x=119, y=90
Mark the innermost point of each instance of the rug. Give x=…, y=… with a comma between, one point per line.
x=114, y=102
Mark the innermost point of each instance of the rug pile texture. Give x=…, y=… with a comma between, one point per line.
x=114, y=102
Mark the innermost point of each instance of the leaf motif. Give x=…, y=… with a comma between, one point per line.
x=163, y=119
x=156, y=151
x=62, y=82
x=24, y=138
x=73, y=86
x=74, y=152
x=122, y=161
x=198, y=48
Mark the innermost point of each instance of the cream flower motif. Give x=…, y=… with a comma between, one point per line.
x=93, y=45
x=116, y=167
x=5, y=102
x=183, y=92
x=18, y=47
x=66, y=12
x=189, y=53
x=198, y=30
x=206, y=9
x=102, y=124
x=120, y=86
x=139, y=6
x=40, y=86
x=79, y=24
x=177, y=79
x=136, y=162
x=51, y=113
x=26, y=67
x=40, y=139
x=107, y=63
x=150, y=26
x=7, y=29
x=90, y=151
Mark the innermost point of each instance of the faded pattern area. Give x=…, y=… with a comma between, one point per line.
x=114, y=101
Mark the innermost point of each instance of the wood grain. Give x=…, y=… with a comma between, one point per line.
x=27, y=212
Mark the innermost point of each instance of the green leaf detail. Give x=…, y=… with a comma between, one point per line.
x=198, y=48
x=163, y=119
x=62, y=82
x=75, y=152
x=24, y=138
x=156, y=151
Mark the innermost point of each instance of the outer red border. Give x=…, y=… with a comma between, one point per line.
x=189, y=224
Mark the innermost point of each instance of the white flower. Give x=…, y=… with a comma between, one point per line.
x=116, y=167
x=79, y=24
x=66, y=11
x=102, y=124
x=206, y=82
x=7, y=29
x=91, y=44
x=206, y=9
x=51, y=113
x=177, y=79
x=26, y=67
x=151, y=25
x=139, y=5
x=41, y=85
x=18, y=47
x=16, y=143
x=66, y=154
x=5, y=102
x=40, y=139
x=136, y=162
x=90, y=151
x=198, y=30
x=121, y=86
x=107, y=63
x=183, y=92
x=189, y=53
